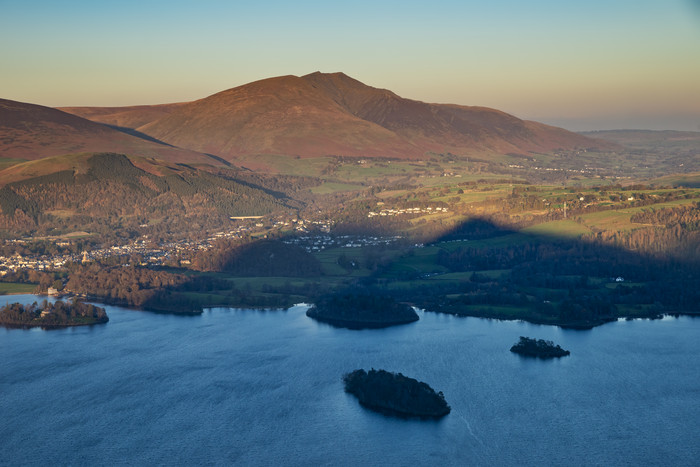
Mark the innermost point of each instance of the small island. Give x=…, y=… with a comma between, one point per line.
x=52, y=315
x=539, y=348
x=361, y=311
x=395, y=394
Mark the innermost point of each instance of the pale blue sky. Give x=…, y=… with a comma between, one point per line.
x=582, y=65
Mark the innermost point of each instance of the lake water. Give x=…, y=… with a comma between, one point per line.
x=264, y=388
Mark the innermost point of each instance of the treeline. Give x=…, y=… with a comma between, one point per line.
x=59, y=313
x=567, y=280
x=687, y=217
x=164, y=291
x=42, y=279
x=129, y=286
x=662, y=242
x=562, y=257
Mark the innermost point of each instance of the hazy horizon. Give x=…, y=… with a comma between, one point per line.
x=593, y=66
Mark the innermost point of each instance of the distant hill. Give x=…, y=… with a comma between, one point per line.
x=689, y=180
x=31, y=132
x=332, y=114
x=651, y=140
x=125, y=117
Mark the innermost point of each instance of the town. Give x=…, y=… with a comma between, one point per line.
x=312, y=235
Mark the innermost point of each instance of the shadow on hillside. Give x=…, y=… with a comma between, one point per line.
x=476, y=269
x=474, y=229
x=482, y=269
x=220, y=160
x=138, y=134
x=144, y=136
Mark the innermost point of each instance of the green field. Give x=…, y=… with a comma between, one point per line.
x=9, y=288
x=334, y=187
x=560, y=229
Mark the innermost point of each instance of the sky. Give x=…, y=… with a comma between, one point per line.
x=580, y=65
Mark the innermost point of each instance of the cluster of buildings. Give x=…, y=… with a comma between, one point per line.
x=18, y=262
x=312, y=235
x=586, y=170
x=312, y=243
x=148, y=252
x=401, y=211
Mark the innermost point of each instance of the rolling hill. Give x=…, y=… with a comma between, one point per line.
x=332, y=114
x=123, y=117
x=30, y=132
x=676, y=142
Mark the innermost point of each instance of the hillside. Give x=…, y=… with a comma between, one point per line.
x=107, y=192
x=332, y=114
x=30, y=132
x=123, y=117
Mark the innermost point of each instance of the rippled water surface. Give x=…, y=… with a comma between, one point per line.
x=260, y=388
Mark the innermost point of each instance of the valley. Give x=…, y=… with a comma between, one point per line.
x=520, y=221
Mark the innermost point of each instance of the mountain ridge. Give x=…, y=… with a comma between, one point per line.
x=321, y=114
x=31, y=132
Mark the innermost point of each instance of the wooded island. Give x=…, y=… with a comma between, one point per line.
x=539, y=348
x=58, y=314
x=361, y=311
x=395, y=394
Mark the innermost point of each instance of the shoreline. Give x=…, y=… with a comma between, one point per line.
x=28, y=326
x=573, y=325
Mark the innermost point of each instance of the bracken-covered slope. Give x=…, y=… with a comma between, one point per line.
x=285, y=115
x=332, y=114
x=124, y=117
x=31, y=132
x=445, y=127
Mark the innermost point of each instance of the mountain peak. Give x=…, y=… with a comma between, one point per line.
x=321, y=114
x=333, y=75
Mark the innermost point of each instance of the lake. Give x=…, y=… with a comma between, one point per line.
x=249, y=387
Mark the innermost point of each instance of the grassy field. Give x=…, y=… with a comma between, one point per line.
x=334, y=187
x=10, y=288
x=5, y=163
x=309, y=166
x=560, y=229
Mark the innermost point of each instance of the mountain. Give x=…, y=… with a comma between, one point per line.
x=332, y=114
x=31, y=132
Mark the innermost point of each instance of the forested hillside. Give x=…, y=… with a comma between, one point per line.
x=109, y=191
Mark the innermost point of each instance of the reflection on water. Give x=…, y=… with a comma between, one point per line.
x=249, y=387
